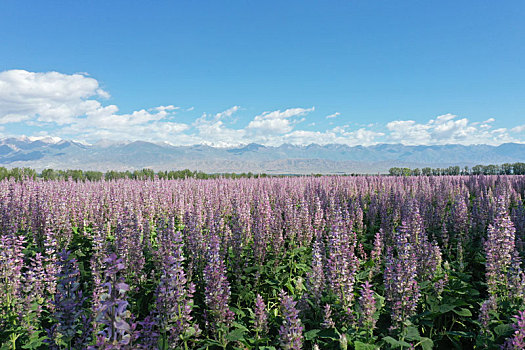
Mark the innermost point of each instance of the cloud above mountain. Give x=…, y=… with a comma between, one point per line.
x=76, y=106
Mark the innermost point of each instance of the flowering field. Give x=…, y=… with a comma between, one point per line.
x=310, y=262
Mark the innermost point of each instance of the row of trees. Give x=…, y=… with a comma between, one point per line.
x=491, y=169
x=90, y=175
x=144, y=174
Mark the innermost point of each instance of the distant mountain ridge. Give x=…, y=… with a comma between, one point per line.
x=41, y=153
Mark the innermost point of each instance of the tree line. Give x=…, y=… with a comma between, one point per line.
x=491, y=169
x=90, y=175
x=149, y=174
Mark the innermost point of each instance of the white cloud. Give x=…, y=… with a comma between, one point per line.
x=276, y=122
x=446, y=129
x=227, y=113
x=47, y=97
x=71, y=106
x=336, y=135
x=518, y=129
x=212, y=131
x=69, y=103
x=331, y=116
x=166, y=108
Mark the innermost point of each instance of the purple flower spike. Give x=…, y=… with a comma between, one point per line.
x=174, y=297
x=367, y=304
x=499, y=252
x=517, y=342
x=261, y=316
x=327, y=318
x=217, y=291
x=112, y=312
x=72, y=324
x=291, y=331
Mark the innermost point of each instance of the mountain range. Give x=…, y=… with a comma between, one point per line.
x=41, y=153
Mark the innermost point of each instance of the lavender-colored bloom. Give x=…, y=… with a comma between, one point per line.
x=499, y=251
x=148, y=335
x=174, y=297
x=377, y=253
x=460, y=219
x=327, y=318
x=342, y=262
x=33, y=285
x=316, y=278
x=128, y=236
x=72, y=324
x=51, y=265
x=516, y=277
x=367, y=305
x=291, y=331
x=112, y=313
x=402, y=290
x=487, y=308
x=11, y=277
x=261, y=316
x=517, y=341
x=217, y=290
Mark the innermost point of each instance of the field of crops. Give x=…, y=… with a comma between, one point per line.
x=291, y=263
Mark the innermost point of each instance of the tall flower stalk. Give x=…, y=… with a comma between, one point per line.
x=217, y=290
x=72, y=328
x=112, y=314
x=500, y=252
x=174, y=299
x=291, y=331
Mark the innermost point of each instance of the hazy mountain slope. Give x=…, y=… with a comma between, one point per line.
x=332, y=158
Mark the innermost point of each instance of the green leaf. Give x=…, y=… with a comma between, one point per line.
x=446, y=308
x=328, y=334
x=311, y=334
x=412, y=333
x=463, y=312
x=190, y=332
x=427, y=344
x=240, y=326
x=395, y=343
x=363, y=346
x=235, y=335
x=504, y=330
x=238, y=312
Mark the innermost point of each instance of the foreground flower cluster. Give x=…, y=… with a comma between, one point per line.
x=310, y=262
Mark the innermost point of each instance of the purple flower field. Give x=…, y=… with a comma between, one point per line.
x=269, y=263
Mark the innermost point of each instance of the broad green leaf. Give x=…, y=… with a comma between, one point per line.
x=363, y=346
x=463, y=312
x=235, y=335
x=446, y=308
x=311, y=334
x=395, y=343
x=328, y=334
x=504, y=330
x=412, y=333
x=427, y=344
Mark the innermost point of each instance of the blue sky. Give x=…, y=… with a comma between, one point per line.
x=233, y=72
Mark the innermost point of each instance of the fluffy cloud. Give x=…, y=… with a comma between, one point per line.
x=47, y=97
x=276, y=122
x=336, y=135
x=518, y=129
x=71, y=103
x=447, y=129
x=211, y=130
x=72, y=106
